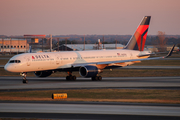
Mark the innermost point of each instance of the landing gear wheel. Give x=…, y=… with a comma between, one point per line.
x=99, y=78
x=96, y=78
x=70, y=78
x=74, y=77
x=25, y=81
x=67, y=78
x=24, y=77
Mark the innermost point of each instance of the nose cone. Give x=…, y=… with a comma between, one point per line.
x=9, y=67
x=6, y=67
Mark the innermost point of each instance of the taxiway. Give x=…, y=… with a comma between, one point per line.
x=84, y=110
x=88, y=111
x=12, y=83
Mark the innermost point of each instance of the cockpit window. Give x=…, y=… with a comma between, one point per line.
x=14, y=61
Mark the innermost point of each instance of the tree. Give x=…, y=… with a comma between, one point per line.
x=160, y=41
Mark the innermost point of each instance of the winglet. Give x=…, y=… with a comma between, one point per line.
x=170, y=52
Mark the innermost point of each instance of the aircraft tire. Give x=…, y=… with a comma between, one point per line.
x=67, y=78
x=74, y=78
x=99, y=78
x=95, y=78
x=70, y=78
x=25, y=81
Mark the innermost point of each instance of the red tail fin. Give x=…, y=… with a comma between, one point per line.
x=138, y=40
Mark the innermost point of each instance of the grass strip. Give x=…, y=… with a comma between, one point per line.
x=158, y=63
x=99, y=95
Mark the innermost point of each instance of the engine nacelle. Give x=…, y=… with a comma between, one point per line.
x=43, y=73
x=89, y=71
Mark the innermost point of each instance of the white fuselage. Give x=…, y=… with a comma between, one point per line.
x=30, y=62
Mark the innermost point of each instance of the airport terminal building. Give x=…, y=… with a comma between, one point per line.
x=11, y=45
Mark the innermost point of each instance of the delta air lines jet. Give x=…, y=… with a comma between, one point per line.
x=88, y=63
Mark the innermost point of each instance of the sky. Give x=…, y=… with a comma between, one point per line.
x=87, y=17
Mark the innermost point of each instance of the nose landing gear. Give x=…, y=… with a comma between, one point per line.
x=24, y=77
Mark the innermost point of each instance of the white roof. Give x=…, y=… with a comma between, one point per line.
x=80, y=47
x=12, y=39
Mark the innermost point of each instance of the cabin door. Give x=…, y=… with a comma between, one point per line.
x=28, y=61
x=58, y=59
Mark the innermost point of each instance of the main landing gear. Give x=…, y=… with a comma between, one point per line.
x=70, y=77
x=96, y=78
x=24, y=77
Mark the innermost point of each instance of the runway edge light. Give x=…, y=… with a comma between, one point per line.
x=59, y=95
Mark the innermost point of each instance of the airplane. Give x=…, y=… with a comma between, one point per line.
x=88, y=63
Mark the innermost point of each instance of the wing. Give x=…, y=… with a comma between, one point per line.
x=123, y=61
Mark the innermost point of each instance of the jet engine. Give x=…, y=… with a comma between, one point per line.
x=89, y=71
x=43, y=73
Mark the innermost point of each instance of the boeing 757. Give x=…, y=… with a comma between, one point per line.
x=88, y=63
